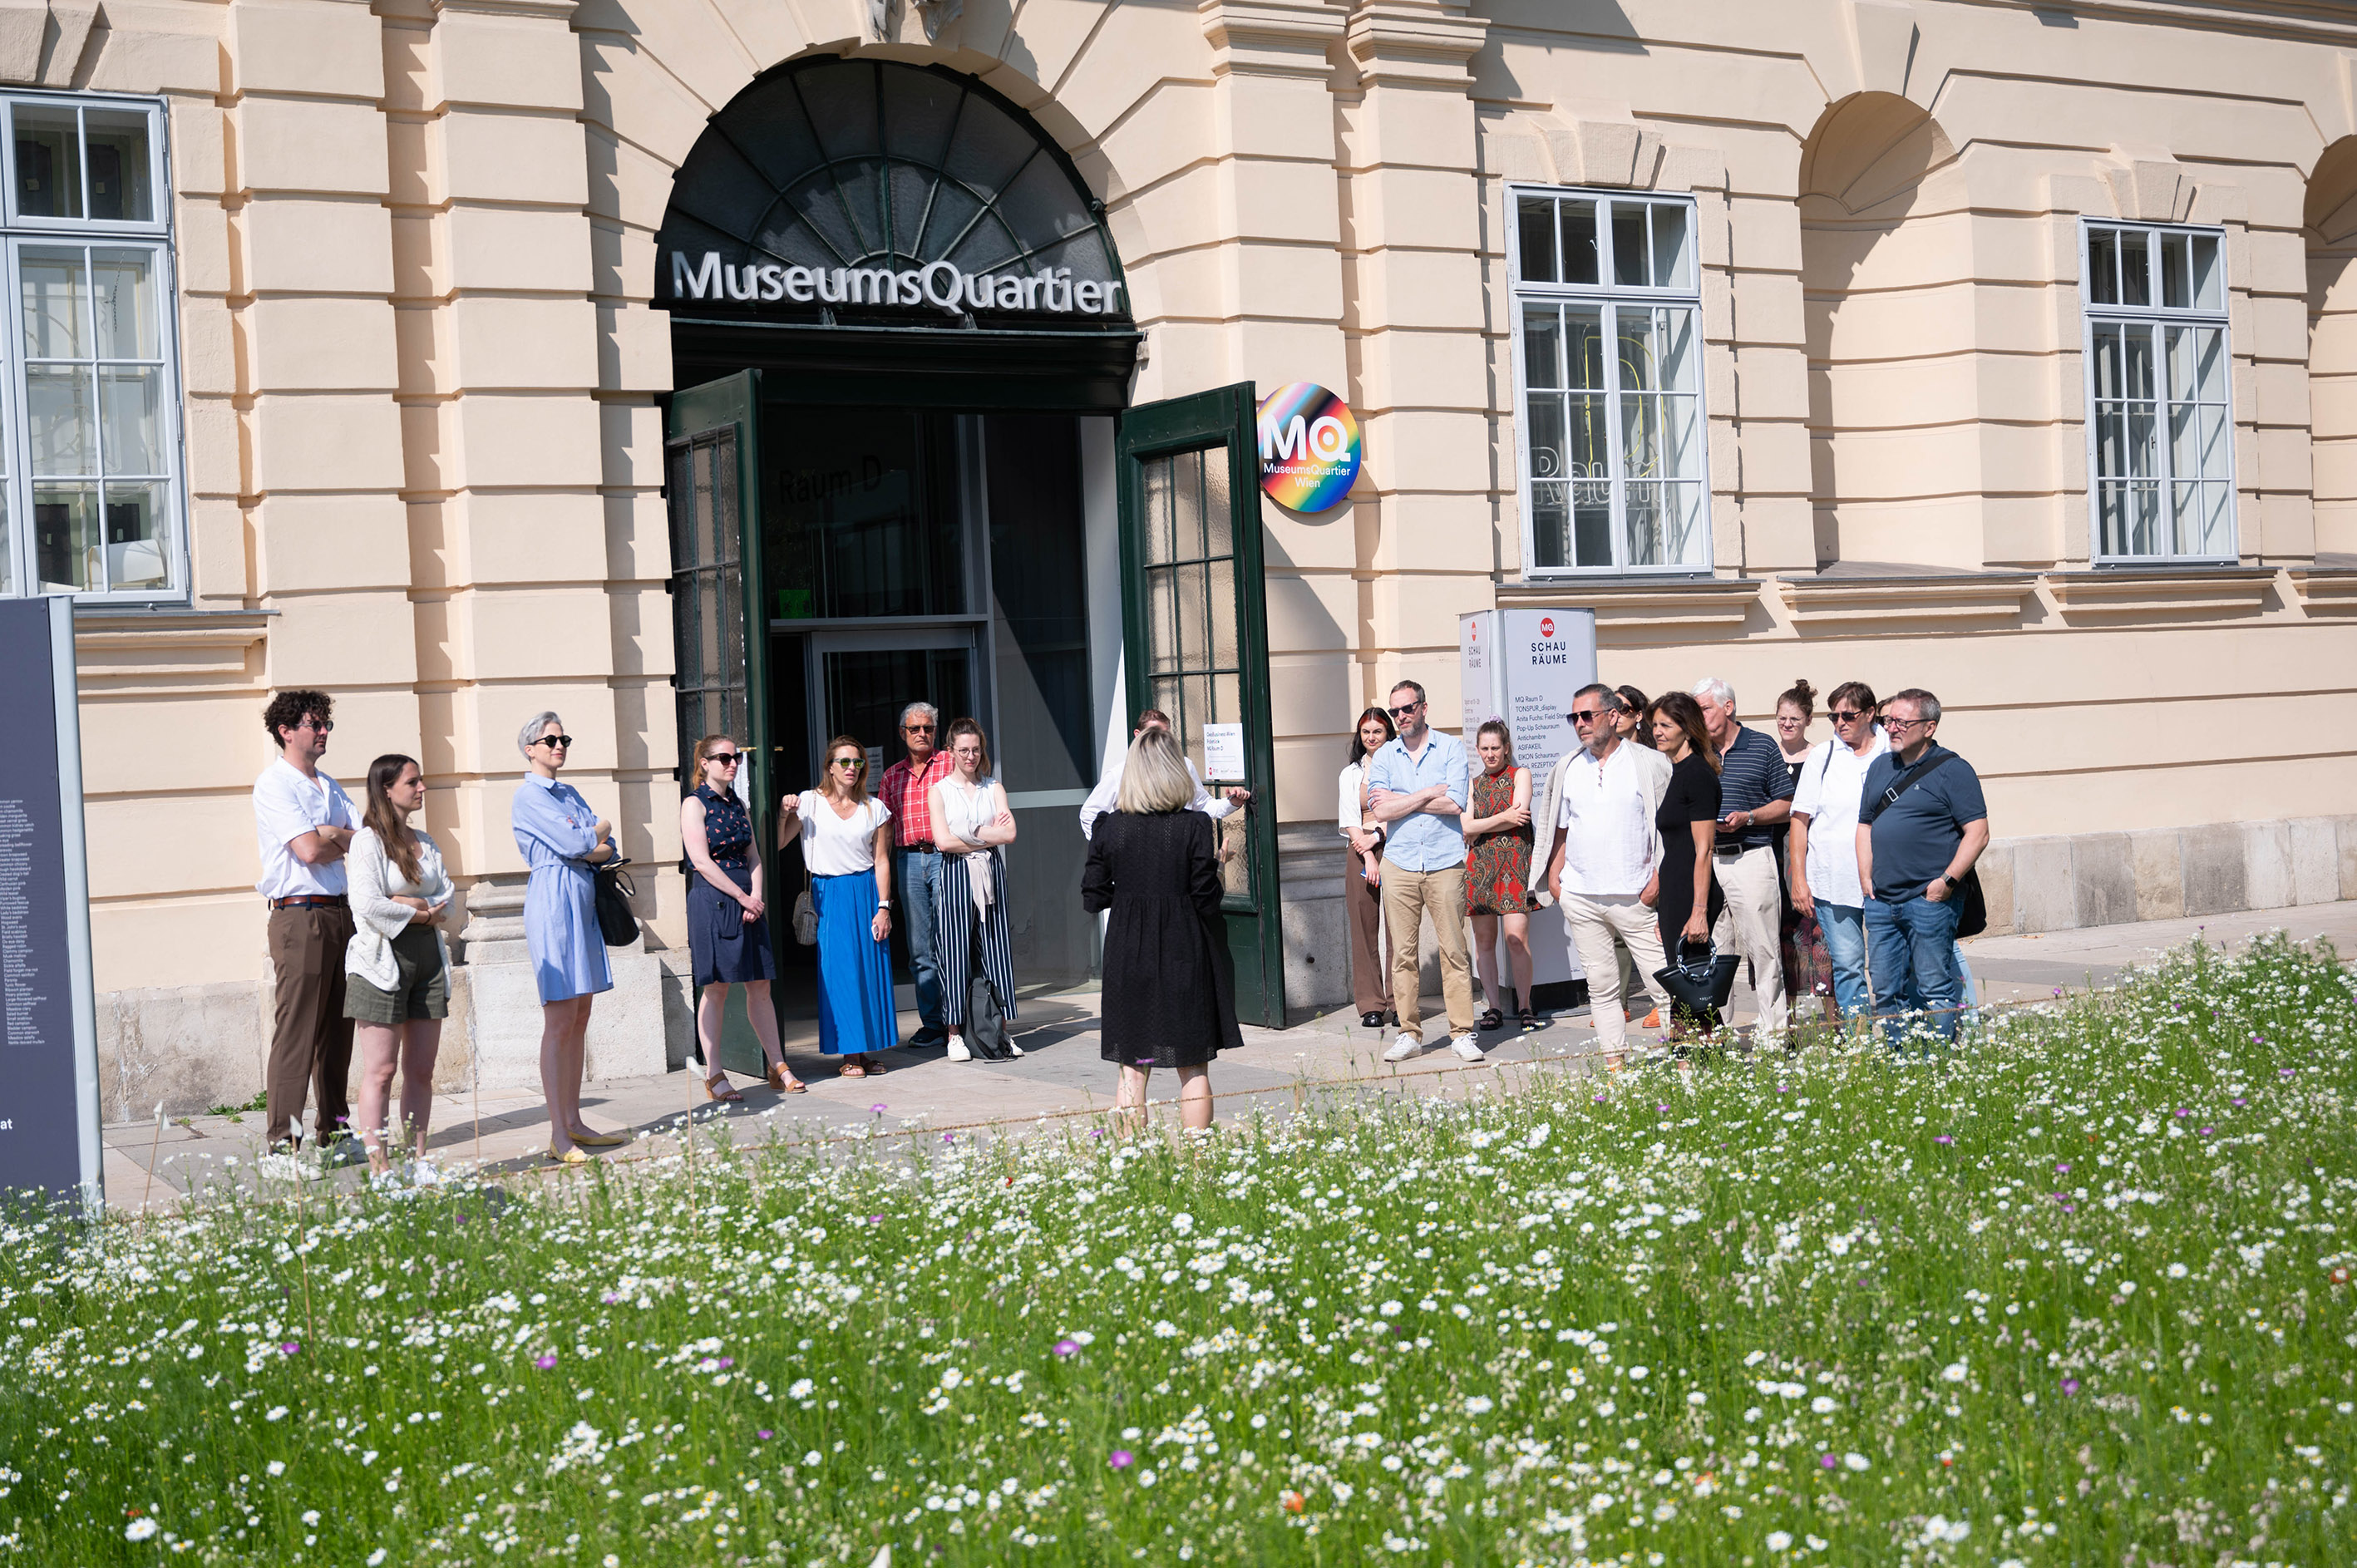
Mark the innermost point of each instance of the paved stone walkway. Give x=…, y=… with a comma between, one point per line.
x=1062, y=1078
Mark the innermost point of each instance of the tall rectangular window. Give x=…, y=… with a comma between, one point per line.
x=1608, y=361
x=90, y=430
x=2160, y=427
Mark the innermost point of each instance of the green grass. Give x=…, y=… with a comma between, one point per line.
x=2074, y=1295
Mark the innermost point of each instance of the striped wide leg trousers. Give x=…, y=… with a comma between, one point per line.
x=961, y=934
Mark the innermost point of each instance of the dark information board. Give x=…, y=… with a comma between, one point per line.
x=49, y=1042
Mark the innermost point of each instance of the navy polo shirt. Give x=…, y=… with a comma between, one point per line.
x=1915, y=839
x=1751, y=774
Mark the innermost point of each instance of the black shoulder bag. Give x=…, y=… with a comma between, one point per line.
x=616, y=923
x=1972, y=909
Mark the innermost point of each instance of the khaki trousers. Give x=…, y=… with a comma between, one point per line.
x=1752, y=926
x=1599, y=927
x=1370, y=980
x=1408, y=896
x=311, y=1047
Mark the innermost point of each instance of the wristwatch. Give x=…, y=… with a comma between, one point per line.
x=1950, y=881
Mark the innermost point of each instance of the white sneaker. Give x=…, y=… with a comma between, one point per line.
x=1405, y=1046
x=958, y=1052
x=1013, y=1049
x=1467, y=1048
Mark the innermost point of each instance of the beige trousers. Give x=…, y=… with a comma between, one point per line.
x=1752, y=925
x=1408, y=896
x=1600, y=928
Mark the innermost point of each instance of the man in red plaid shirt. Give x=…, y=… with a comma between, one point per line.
x=907, y=792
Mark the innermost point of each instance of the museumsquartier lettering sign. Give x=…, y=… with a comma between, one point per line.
x=935, y=287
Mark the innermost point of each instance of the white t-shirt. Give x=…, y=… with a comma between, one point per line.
x=840, y=846
x=1608, y=825
x=287, y=806
x=1830, y=788
x=1350, y=807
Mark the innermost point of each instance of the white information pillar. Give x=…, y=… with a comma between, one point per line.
x=1523, y=665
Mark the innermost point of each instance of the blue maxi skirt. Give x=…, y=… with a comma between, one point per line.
x=855, y=970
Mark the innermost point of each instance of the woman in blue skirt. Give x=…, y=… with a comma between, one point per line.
x=727, y=919
x=847, y=841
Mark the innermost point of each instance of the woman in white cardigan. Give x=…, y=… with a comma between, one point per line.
x=397, y=969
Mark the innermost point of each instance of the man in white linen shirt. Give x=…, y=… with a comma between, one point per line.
x=1824, y=840
x=304, y=821
x=1108, y=790
x=1606, y=856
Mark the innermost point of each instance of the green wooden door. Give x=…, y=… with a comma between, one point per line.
x=712, y=480
x=1195, y=637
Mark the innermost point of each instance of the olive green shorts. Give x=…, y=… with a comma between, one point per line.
x=424, y=990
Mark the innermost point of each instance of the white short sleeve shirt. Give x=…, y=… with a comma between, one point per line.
x=287, y=806
x=840, y=846
x=1608, y=825
x=1831, y=788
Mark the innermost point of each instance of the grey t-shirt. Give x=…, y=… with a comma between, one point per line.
x=1916, y=837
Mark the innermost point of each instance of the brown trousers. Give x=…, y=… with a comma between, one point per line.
x=311, y=1049
x=1370, y=976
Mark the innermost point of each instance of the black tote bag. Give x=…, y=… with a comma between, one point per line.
x=615, y=891
x=1700, y=985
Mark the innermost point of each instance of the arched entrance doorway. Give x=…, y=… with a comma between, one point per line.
x=902, y=467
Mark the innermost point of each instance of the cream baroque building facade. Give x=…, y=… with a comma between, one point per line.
x=1912, y=419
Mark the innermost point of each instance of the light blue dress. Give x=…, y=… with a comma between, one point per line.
x=555, y=827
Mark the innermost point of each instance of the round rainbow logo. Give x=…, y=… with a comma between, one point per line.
x=1309, y=446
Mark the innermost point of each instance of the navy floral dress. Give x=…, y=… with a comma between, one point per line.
x=726, y=948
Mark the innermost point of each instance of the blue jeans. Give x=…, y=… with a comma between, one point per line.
x=1912, y=959
x=916, y=875
x=1845, y=934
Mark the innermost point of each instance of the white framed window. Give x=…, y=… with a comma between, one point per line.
x=2160, y=424
x=1607, y=382
x=90, y=499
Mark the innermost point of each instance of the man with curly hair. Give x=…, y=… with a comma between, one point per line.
x=304, y=820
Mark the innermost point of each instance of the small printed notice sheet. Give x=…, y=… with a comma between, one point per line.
x=1224, y=752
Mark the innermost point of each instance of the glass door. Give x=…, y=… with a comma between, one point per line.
x=1196, y=637
x=711, y=464
x=860, y=681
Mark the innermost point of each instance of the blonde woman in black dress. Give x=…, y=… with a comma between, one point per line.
x=727, y=920
x=1169, y=990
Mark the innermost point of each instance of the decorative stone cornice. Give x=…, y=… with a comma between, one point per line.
x=125, y=651
x=1645, y=609
x=1271, y=38
x=1928, y=603
x=1404, y=42
x=2327, y=590
x=2159, y=594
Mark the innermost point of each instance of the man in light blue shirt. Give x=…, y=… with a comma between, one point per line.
x=1417, y=787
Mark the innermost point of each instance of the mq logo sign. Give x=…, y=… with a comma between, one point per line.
x=1547, y=626
x=1309, y=446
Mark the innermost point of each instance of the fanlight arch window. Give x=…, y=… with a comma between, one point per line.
x=876, y=190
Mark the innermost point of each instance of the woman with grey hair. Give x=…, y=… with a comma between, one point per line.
x=561, y=838
x=1169, y=989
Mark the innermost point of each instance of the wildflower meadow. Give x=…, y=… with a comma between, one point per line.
x=2077, y=1292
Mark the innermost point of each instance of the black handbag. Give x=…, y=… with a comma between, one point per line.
x=615, y=891
x=1971, y=904
x=1699, y=986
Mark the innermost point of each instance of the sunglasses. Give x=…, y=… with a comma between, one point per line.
x=726, y=759
x=1587, y=718
x=319, y=726
x=1403, y=712
x=1840, y=717
x=563, y=740
x=916, y=729
x=850, y=762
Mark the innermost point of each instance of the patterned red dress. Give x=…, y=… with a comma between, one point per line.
x=1496, y=864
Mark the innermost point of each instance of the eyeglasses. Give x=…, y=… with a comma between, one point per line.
x=559, y=740
x=1840, y=717
x=916, y=729
x=724, y=759
x=1895, y=725
x=851, y=762
x=1402, y=713
x=1791, y=719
